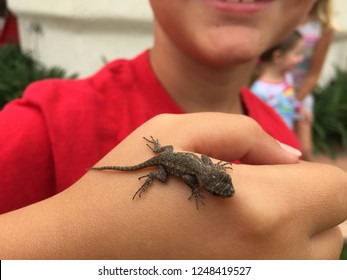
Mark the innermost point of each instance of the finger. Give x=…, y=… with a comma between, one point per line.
x=327, y=244
x=322, y=203
x=312, y=196
x=222, y=136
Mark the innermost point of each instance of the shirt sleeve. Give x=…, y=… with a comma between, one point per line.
x=27, y=173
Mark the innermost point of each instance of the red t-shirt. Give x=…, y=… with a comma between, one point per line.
x=60, y=127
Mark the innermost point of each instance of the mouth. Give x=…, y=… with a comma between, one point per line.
x=244, y=1
x=239, y=7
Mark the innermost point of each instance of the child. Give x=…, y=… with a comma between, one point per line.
x=317, y=31
x=274, y=84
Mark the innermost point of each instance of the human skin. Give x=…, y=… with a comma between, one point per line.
x=280, y=211
x=204, y=55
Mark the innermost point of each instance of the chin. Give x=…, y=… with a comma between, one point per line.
x=228, y=57
x=225, y=50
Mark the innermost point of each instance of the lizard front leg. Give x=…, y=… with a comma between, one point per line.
x=221, y=165
x=194, y=185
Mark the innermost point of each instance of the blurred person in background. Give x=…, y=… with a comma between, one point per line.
x=317, y=29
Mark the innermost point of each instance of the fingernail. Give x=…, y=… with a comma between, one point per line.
x=290, y=149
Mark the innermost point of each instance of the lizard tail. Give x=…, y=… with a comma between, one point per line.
x=147, y=163
x=119, y=168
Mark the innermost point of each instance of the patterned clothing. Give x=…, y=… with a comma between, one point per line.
x=280, y=96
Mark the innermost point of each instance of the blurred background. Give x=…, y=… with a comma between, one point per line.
x=81, y=35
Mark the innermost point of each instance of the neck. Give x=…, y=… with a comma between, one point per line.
x=197, y=87
x=271, y=73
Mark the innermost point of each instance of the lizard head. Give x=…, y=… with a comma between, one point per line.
x=220, y=184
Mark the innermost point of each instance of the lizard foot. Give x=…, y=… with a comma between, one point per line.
x=224, y=165
x=145, y=185
x=157, y=148
x=198, y=197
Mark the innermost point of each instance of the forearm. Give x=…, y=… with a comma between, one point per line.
x=317, y=62
x=307, y=87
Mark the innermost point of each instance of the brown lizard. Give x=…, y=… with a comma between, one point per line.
x=196, y=172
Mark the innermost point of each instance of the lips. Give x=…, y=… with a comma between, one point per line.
x=245, y=1
x=239, y=7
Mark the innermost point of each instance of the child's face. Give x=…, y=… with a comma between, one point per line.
x=222, y=32
x=293, y=57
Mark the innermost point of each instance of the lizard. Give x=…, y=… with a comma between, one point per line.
x=196, y=172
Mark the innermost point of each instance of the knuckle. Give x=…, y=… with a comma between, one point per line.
x=162, y=118
x=251, y=125
x=263, y=223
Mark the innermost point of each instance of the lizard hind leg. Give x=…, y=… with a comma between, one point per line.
x=157, y=148
x=160, y=174
x=144, y=186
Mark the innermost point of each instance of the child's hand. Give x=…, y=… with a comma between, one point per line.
x=306, y=116
x=282, y=209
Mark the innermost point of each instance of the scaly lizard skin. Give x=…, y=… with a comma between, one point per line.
x=197, y=172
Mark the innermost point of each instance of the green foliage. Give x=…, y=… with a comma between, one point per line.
x=330, y=112
x=344, y=251
x=18, y=70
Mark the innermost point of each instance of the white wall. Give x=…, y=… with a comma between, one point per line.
x=77, y=34
x=337, y=55
x=340, y=7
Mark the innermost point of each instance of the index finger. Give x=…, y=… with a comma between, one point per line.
x=222, y=136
